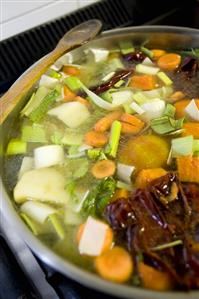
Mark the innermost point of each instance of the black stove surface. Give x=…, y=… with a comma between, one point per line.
x=14, y=284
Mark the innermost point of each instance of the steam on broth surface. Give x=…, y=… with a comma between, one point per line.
x=103, y=164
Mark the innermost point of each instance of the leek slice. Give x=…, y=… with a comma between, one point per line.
x=16, y=147
x=53, y=218
x=33, y=133
x=30, y=223
x=182, y=146
x=122, y=185
x=146, y=69
x=170, y=110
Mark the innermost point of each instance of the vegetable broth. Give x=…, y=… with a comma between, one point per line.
x=107, y=148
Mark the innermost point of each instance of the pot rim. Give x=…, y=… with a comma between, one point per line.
x=65, y=267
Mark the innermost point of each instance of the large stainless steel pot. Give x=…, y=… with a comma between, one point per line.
x=152, y=36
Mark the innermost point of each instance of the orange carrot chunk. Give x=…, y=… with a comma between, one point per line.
x=129, y=129
x=188, y=169
x=145, y=176
x=105, y=122
x=169, y=61
x=144, y=82
x=115, y=265
x=133, y=120
x=103, y=168
x=157, y=53
x=191, y=128
x=96, y=139
x=82, y=101
x=71, y=70
x=154, y=279
x=181, y=105
x=68, y=94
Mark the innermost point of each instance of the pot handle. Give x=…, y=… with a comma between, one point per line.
x=27, y=262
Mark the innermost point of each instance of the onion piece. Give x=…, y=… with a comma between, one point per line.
x=153, y=109
x=192, y=111
x=48, y=81
x=124, y=172
x=48, y=155
x=73, y=114
x=137, y=108
x=148, y=61
x=121, y=97
x=146, y=69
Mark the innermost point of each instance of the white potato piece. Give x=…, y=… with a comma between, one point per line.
x=73, y=114
x=45, y=184
x=37, y=211
x=48, y=155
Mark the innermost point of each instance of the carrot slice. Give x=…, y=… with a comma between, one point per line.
x=153, y=278
x=129, y=129
x=188, y=169
x=120, y=193
x=157, y=53
x=181, y=105
x=115, y=265
x=82, y=101
x=108, y=238
x=144, y=82
x=145, y=176
x=103, y=168
x=105, y=122
x=96, y=139
x=68, y=94
x=71, y=70
x=133, y=120
x=169, y=61
x=191, y=128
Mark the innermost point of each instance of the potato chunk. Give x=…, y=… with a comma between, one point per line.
x=45, y=184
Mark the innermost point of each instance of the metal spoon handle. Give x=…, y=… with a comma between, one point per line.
x=73, y=38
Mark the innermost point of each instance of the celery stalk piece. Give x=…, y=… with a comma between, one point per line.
x=146, y=51
x=114, y=139
x=57, y=225
x=73, y=83
x=33, y=133
x=94, y=153
x=128, y=109
x=30, y=223
x=182, y=146
x=16, y=146
x=164, y=78
x=126, y=47
x=122, y=185
x=39, y=112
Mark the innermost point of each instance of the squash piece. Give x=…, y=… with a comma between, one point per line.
x=188, y=169
x=146, y=151
x=145, y=176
